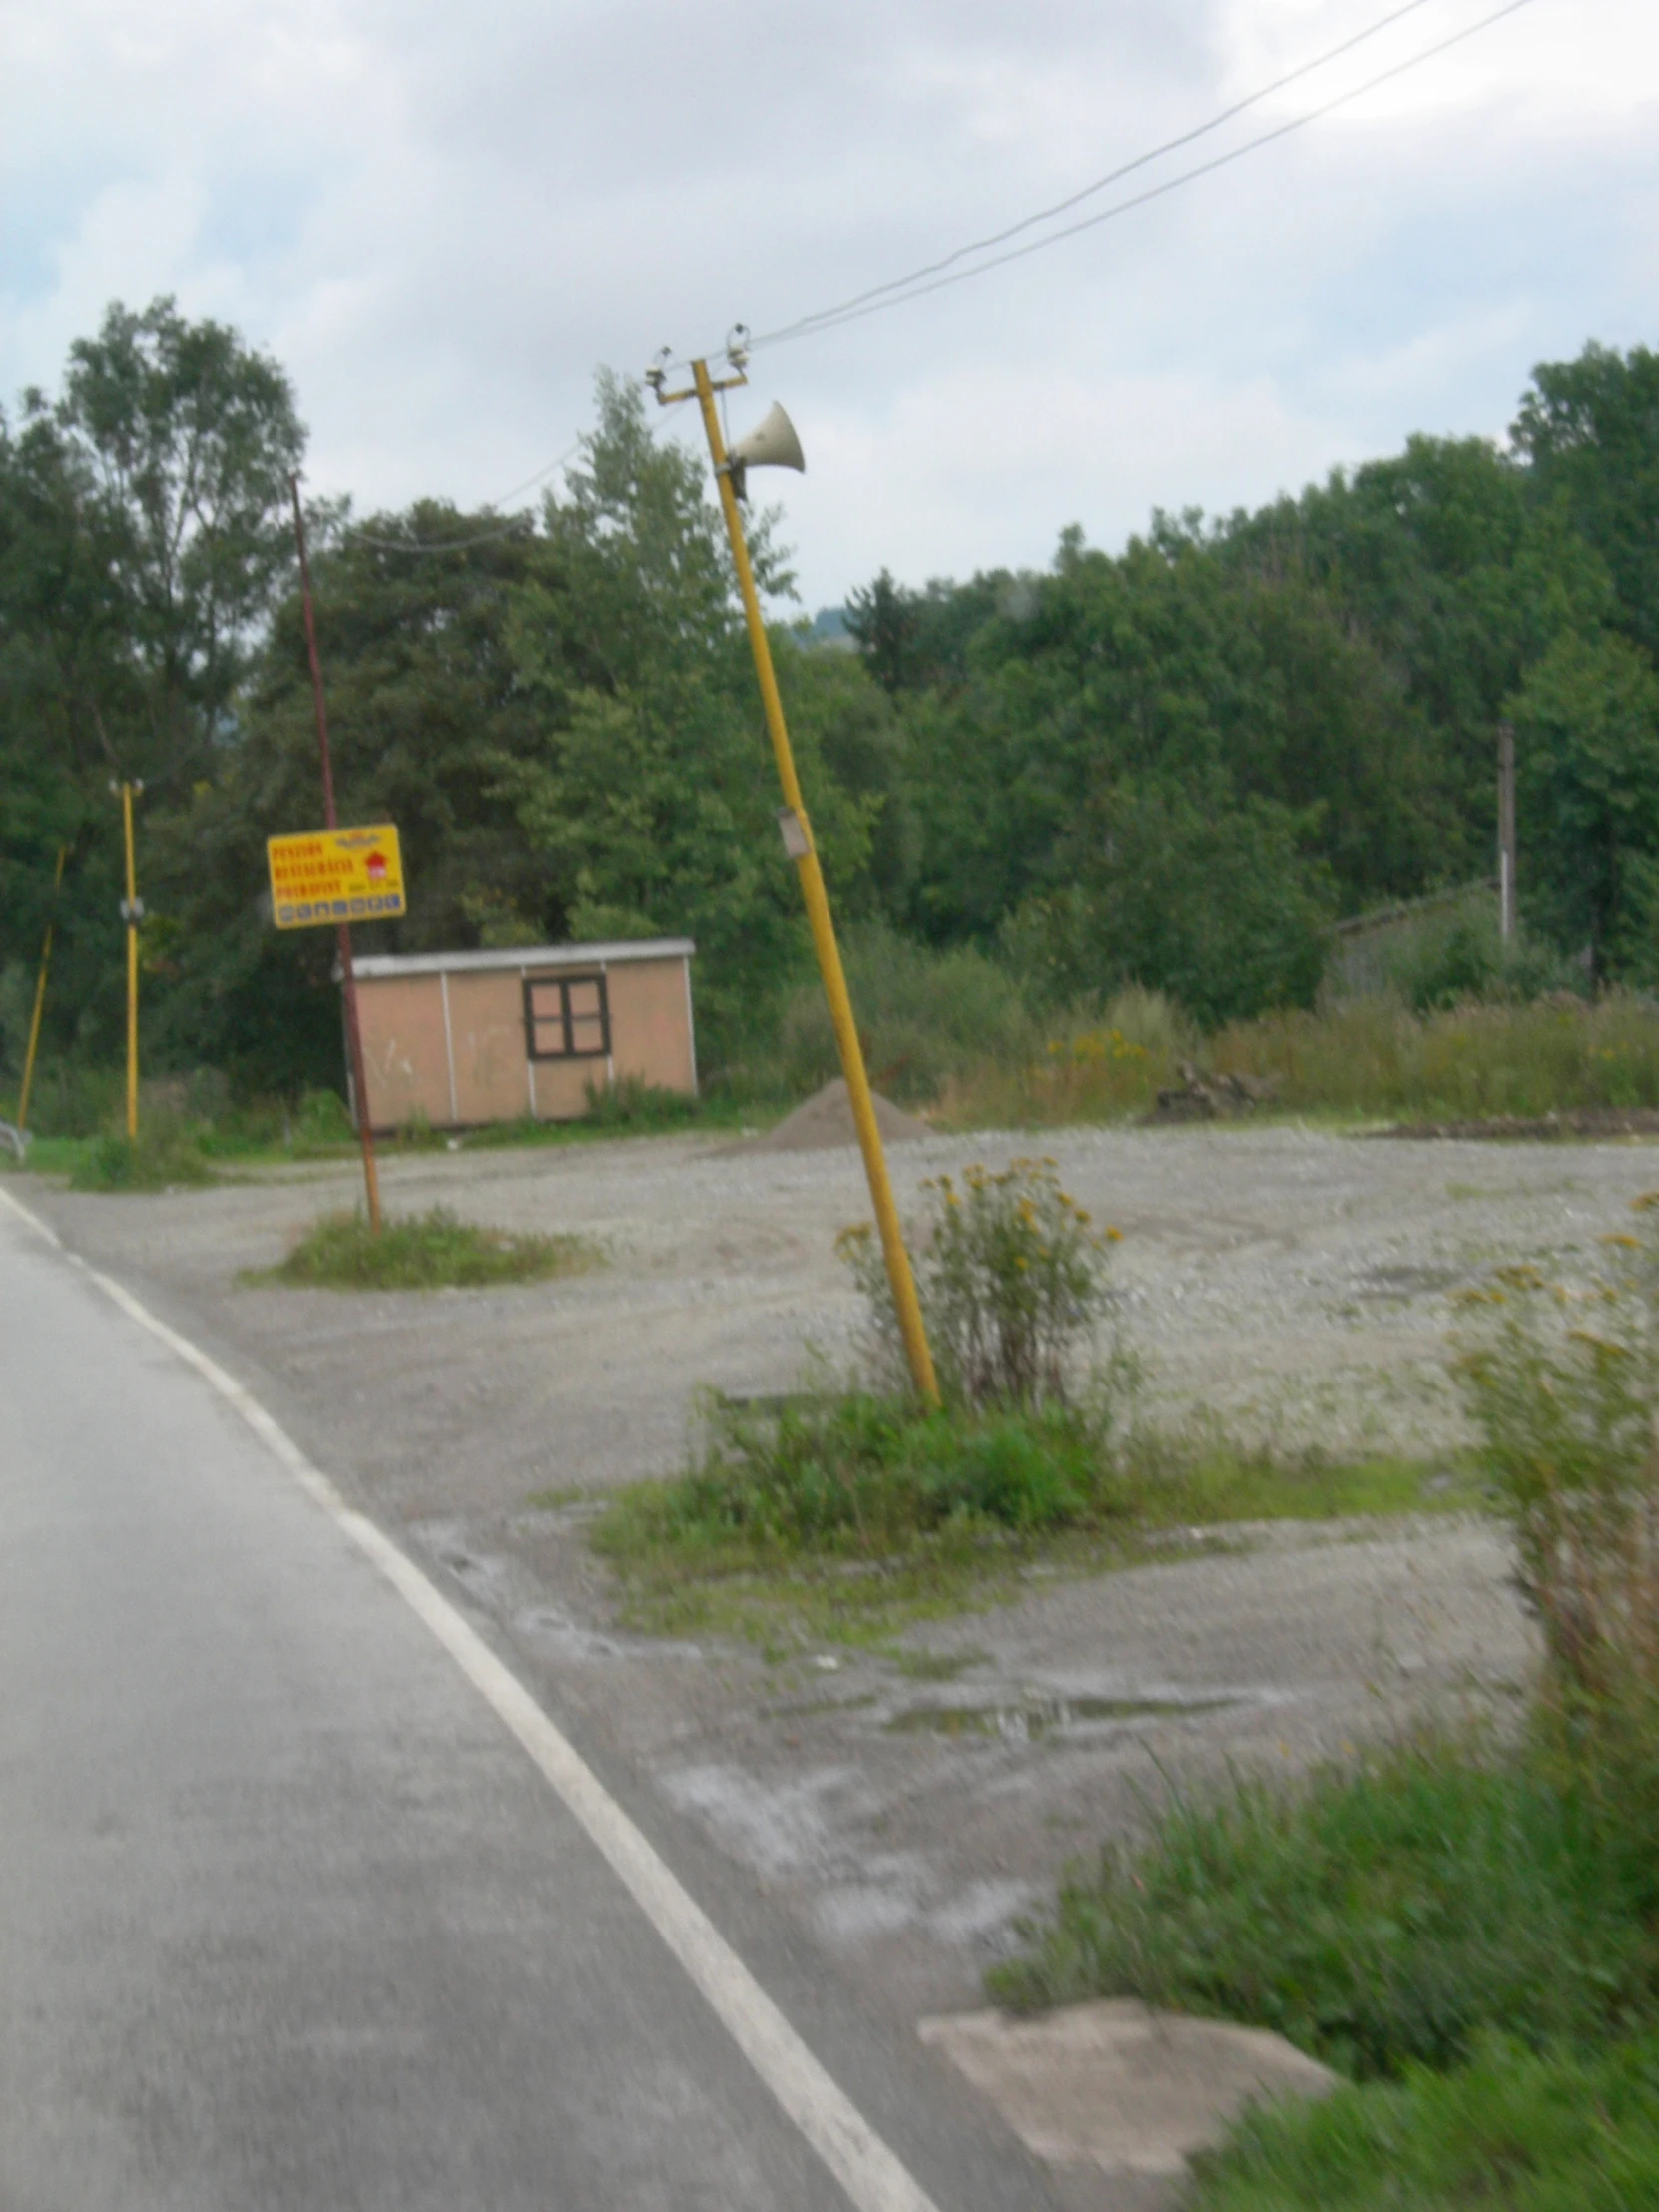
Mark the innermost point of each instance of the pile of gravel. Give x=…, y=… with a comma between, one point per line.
x=825, y=1120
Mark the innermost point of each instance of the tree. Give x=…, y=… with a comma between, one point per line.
x=1443, y=569
x=62, y=660
x=1587, y=752
x=1590, y=430
x=181, y=440
x=1216, y=904
x=425, y=705
x=143, y=536
x=651, y=795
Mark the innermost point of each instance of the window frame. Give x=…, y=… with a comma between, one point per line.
x=563, y=1022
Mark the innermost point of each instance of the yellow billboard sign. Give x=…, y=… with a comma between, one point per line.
x=335, y=875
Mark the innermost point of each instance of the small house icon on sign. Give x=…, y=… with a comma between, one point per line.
x=376, y=866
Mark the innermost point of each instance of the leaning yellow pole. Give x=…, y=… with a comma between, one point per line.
x=131, y=911
x=39, y=995
x=906, y=1302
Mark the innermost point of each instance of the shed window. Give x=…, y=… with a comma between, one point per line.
x=566, y=1017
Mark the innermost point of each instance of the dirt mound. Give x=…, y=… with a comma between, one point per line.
x=826, y=1120
x=1582, y=1121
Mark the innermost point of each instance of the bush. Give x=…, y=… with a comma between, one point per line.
x=322, y=1120
x=158, y=1159
x=1012, y=1274
x=1217, y=905
x=72, y=1100
x=922, y=1016
x=1446, y=961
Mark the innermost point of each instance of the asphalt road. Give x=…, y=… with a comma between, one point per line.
x=287, y=1916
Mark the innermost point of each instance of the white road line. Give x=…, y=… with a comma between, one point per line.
x=869, y=2173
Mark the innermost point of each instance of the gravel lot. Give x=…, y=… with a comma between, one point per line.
x=1298, y=1280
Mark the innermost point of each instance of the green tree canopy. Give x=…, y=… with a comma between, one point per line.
x=1587, y=751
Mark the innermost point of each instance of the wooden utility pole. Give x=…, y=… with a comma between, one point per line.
x=40, y=994
x=353, y=1028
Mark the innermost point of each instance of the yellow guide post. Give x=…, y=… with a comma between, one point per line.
x=798, y=836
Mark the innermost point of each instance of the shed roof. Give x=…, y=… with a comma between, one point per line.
x=525, y=959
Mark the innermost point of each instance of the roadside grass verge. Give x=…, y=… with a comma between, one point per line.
x=48, y=1156
x=423, y=1252
x=1385, y=1912
x=844, y=1517
x=1513, y=2131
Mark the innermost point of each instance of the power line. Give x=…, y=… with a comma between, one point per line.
x=1112, y=176
x=512, y=528
x=569, y=454
x=830, y=318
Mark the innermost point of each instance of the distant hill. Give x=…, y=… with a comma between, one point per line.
x=827, y=627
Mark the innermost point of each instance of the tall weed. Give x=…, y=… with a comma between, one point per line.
x=1562, y=1383
x=1374, y=1056
x=1012, y=1274
x=1096, y=1067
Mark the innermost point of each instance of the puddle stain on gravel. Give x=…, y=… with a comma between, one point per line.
x=1030, y=1720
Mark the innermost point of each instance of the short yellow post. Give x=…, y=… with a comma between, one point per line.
x=131, y=914
x=39, y=995
x=798, y=835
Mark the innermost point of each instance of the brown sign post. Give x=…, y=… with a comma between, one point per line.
x=353, y=1031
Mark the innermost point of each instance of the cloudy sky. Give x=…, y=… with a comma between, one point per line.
x=442, y=217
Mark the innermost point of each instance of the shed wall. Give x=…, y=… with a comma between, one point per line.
x=651, y=1034
x=470, y=1063
x=486, y=1022
x=404, y=1050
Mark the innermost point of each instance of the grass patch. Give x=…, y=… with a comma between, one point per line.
x=1511, y=2131
x=1380, y=1915
x=845, y=1518
x=425, y=1251
x=48, y=1156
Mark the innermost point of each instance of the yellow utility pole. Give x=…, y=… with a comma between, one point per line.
x=131, y=914
x=799, y=843
x=39, y=995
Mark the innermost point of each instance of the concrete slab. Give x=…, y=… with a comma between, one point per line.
x=1119, y=2087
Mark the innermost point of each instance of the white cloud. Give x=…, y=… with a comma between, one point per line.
x=441, y=219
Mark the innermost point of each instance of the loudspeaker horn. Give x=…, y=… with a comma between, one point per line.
x=770, y=445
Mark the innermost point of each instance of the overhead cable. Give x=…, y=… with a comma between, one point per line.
x=830, y=318
x=1100, y=184
x=513, y=527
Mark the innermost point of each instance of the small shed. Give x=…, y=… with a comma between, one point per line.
x=460, y=1038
